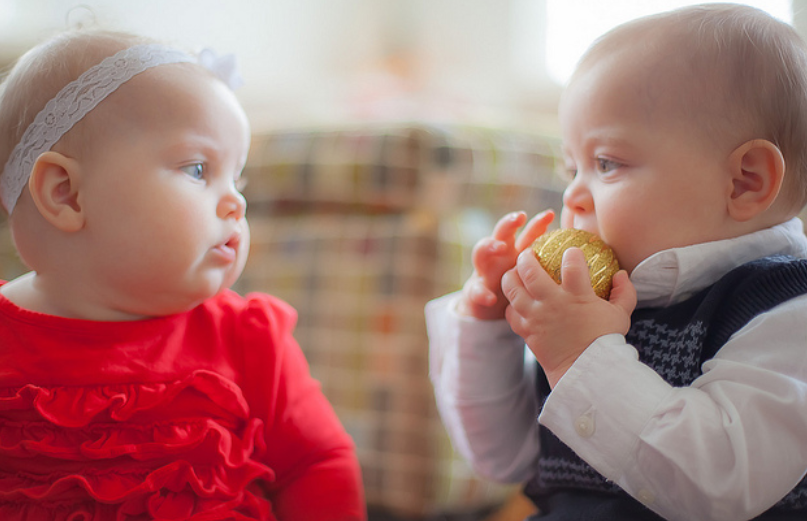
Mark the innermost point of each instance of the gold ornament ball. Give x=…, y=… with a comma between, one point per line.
x=602, y=263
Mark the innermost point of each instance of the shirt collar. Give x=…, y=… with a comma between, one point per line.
x=673, y=275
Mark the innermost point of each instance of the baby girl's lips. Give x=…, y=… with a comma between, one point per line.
x=228, y=250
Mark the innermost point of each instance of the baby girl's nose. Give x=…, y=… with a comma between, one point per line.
x=232, y=204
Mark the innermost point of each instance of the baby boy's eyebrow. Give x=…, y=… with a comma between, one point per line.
x=593, y=141
x=610, y=138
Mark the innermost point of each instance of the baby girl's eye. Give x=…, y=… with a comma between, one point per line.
x=606, y=165
x=195, y=170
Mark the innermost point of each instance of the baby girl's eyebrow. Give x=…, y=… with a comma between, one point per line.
x=196, y=147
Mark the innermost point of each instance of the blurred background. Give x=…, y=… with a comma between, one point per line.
x=331, y=61
x=389, y=135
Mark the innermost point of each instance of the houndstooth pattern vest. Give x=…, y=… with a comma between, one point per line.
x=675, y=341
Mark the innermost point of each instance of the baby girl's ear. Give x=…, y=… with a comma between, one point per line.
x=54, y=186
x=757, y=172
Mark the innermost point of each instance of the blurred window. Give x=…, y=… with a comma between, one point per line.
x=572, y=25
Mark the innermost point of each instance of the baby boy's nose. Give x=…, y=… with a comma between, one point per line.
x=577, y=198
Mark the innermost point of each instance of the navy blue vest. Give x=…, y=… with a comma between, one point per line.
x=675, y=341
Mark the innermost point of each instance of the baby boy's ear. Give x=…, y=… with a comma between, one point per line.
x=757, y=172
x=54, y=184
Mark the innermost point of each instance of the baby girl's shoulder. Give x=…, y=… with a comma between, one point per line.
x=257, y=310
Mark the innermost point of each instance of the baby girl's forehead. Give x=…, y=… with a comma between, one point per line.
x=169, y=86
x=152, y=97
x=175, y=76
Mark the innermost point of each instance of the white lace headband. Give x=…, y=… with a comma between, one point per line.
x=79, y=97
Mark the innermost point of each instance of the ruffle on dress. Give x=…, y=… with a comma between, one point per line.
x=131, y=452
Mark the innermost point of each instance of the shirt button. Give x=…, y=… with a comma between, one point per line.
x=584, y=426
x=645, y=497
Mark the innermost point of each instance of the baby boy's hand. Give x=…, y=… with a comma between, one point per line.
x=492, y=257
x=558, y=322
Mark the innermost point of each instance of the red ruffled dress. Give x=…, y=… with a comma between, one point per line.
x=206, y=415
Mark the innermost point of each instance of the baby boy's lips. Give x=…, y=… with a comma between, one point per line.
x=586, y=228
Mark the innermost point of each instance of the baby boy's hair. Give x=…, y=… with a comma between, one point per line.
x=747, y=69
x=44, y=70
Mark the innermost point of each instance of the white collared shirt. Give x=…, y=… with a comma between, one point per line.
x=727, y=447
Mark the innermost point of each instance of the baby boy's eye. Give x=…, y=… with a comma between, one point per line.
x=606, y=165
x=195, y=170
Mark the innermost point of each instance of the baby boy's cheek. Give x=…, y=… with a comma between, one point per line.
x=566, y=218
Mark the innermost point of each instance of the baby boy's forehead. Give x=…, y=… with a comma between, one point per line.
x=633, y=86
x=665, y=69
x=665, y=41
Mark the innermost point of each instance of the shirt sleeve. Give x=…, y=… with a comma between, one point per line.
x=728, y=447
x=481, y=382
x=314, y=459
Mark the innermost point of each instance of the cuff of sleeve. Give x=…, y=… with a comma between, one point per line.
x=603, y=402
x=474, y=360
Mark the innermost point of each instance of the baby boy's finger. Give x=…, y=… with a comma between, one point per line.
x=479, y=295
x=512, y=286
x=624, y=293
x=534, y=228
x=535, y=279
x=488, y=246
x=574, y=272
x=507, y=226
x=485, y=253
